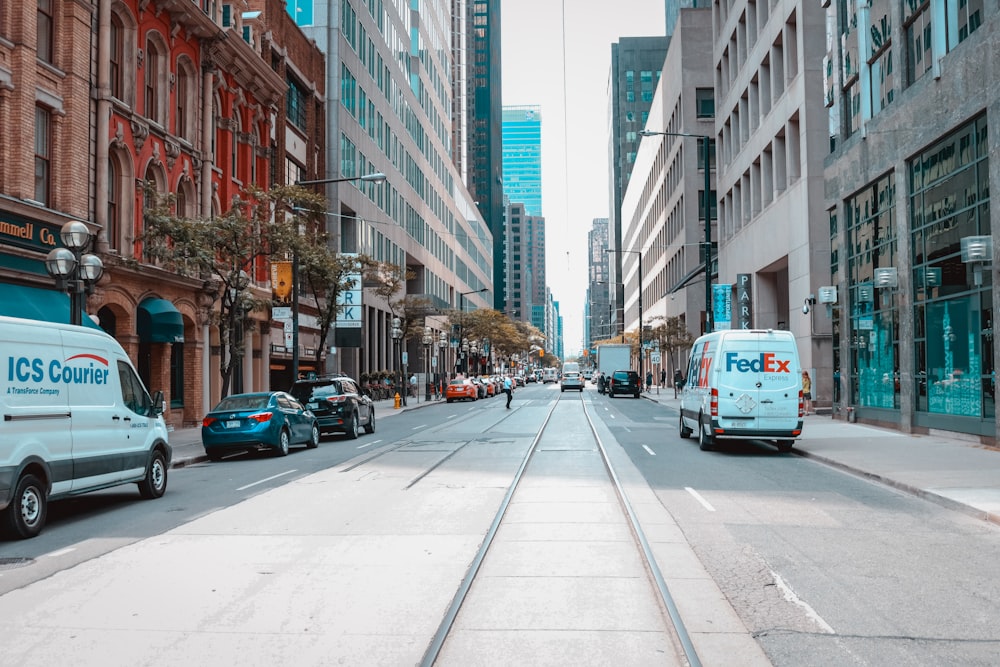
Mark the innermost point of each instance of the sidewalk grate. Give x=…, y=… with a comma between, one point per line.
x=13, y=563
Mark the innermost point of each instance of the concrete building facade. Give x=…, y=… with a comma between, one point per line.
x=913, y=99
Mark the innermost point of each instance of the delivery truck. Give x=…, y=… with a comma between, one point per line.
x=611, y=358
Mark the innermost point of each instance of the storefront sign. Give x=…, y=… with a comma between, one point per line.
x=722, y=306
x=23, y=232
x=744, y=301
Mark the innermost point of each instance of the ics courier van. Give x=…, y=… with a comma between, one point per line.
x=74, y=417
x=743, y=384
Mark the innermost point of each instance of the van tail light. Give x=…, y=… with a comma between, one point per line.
x=208, y=421
x=261, y=417
x=801, y=405
x=714, y=404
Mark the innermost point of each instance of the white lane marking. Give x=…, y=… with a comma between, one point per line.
x=697, y=496
x=266, y=479
x=649, y=451
x=790, y=595
x=369, y=444
x=61, y=552
x=420, y=426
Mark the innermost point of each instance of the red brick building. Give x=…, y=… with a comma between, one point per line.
x=182, y=99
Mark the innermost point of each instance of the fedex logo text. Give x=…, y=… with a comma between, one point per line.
x=767, y=362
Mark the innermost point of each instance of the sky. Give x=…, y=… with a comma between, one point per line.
x=573, y=96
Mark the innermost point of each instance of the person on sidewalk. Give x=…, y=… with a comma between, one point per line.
x=807, y=397
x=678, y=381
x=663, y=378
x=508, y=388
x=649, y=380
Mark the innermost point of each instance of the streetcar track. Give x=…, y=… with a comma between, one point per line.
x=675, y=623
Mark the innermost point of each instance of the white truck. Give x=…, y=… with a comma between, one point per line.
x=611, y=358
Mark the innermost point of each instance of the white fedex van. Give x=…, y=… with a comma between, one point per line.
x=743, y=384
x=74, y=417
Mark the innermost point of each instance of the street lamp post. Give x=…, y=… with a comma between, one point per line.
x=73, y=270
x=377, y=177
x=397, y=338
x=442, y=354
x=707, y=199
x=465, y=356
x=639, y=254
x=428, y=339
x=461, y=324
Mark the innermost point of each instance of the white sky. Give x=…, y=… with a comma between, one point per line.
x=535, y=72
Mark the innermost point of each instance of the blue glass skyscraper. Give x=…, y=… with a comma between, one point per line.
x=522, y=157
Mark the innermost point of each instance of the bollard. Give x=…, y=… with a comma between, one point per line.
x=396, y=402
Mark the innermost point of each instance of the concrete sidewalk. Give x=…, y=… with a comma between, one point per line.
x=941, y=466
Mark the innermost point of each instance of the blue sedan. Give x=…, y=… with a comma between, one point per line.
x=261, y=421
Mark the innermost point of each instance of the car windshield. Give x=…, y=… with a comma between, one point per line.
x=324, y=390
x=243, y=402
x=457, y=382
x=621, y=375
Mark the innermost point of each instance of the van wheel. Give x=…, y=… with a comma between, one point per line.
x=25, y=515
x=352, y=427
x=705, y=441
x=370, y=426
x=284, y=441
x=684, y=431
x=155, y=483
x=313, y=438
x=785, y=446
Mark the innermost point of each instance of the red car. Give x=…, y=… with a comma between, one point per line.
x=461, y=390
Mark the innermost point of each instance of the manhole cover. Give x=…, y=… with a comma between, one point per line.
x=11, y=563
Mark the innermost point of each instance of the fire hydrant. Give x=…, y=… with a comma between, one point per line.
x=396, y=402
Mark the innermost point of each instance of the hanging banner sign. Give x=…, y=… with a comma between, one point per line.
x=281, y=281
x=722, y=306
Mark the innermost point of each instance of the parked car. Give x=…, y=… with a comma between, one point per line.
x=461, y=389
x=339, y=403
x=624, y=382
x=258, y=421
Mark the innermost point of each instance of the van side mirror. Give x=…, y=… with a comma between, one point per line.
x=159, y=406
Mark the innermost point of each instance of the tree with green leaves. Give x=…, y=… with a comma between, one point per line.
x=673, y=335
x=225, y=251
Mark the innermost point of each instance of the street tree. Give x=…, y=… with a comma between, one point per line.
x=673, y=334
x=228, y=252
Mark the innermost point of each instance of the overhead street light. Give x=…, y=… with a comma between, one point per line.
x=707, y=196
x=461, y=308
x=377, y=177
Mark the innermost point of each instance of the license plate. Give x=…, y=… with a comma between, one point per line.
x=233, y=423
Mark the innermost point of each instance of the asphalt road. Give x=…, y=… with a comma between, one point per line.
x=823, y=568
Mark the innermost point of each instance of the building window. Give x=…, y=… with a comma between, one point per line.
x=43, y=147
x=917, y=27
x=114, y=201
x=154, y=76
x=45, y=30
x=117, y=47
x=953, y=327
x=185, y=99
x=704, y=103
x=235, y=146
x=963, y=18
x=295, y=104
x=870, y=218
x=176, y=376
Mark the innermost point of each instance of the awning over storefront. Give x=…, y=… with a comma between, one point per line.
x=34, y=303
x=160, y=322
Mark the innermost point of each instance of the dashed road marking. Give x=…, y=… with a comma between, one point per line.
x=698, y=497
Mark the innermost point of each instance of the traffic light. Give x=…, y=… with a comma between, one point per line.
x=541, y=353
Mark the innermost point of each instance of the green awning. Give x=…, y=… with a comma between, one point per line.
x=160, y=322
x=33, y=303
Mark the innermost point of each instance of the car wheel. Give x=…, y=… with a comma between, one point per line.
x=155, y=483
x=352, y=427
x=611, y=394
x=705, y=441
x=448, y=400
x=313, y=437
x=370, y=426
x=683, y=430
x=213, y=455
x=25, y=515
x=284, y=441
x=785, y=446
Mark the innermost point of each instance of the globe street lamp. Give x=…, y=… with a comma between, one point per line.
x=442, y=354
x=397, y=338
x=428, y=339
x=465, y=356
x=74, y=271
x=707, y=196
x=377, y=177
x=474, y=351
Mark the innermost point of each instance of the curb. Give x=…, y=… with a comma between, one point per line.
x=909, y=489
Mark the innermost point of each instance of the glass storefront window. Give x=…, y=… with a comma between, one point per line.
x=953, y=325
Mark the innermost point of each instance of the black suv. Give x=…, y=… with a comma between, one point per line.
x=624, y=382
x=339, y=404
